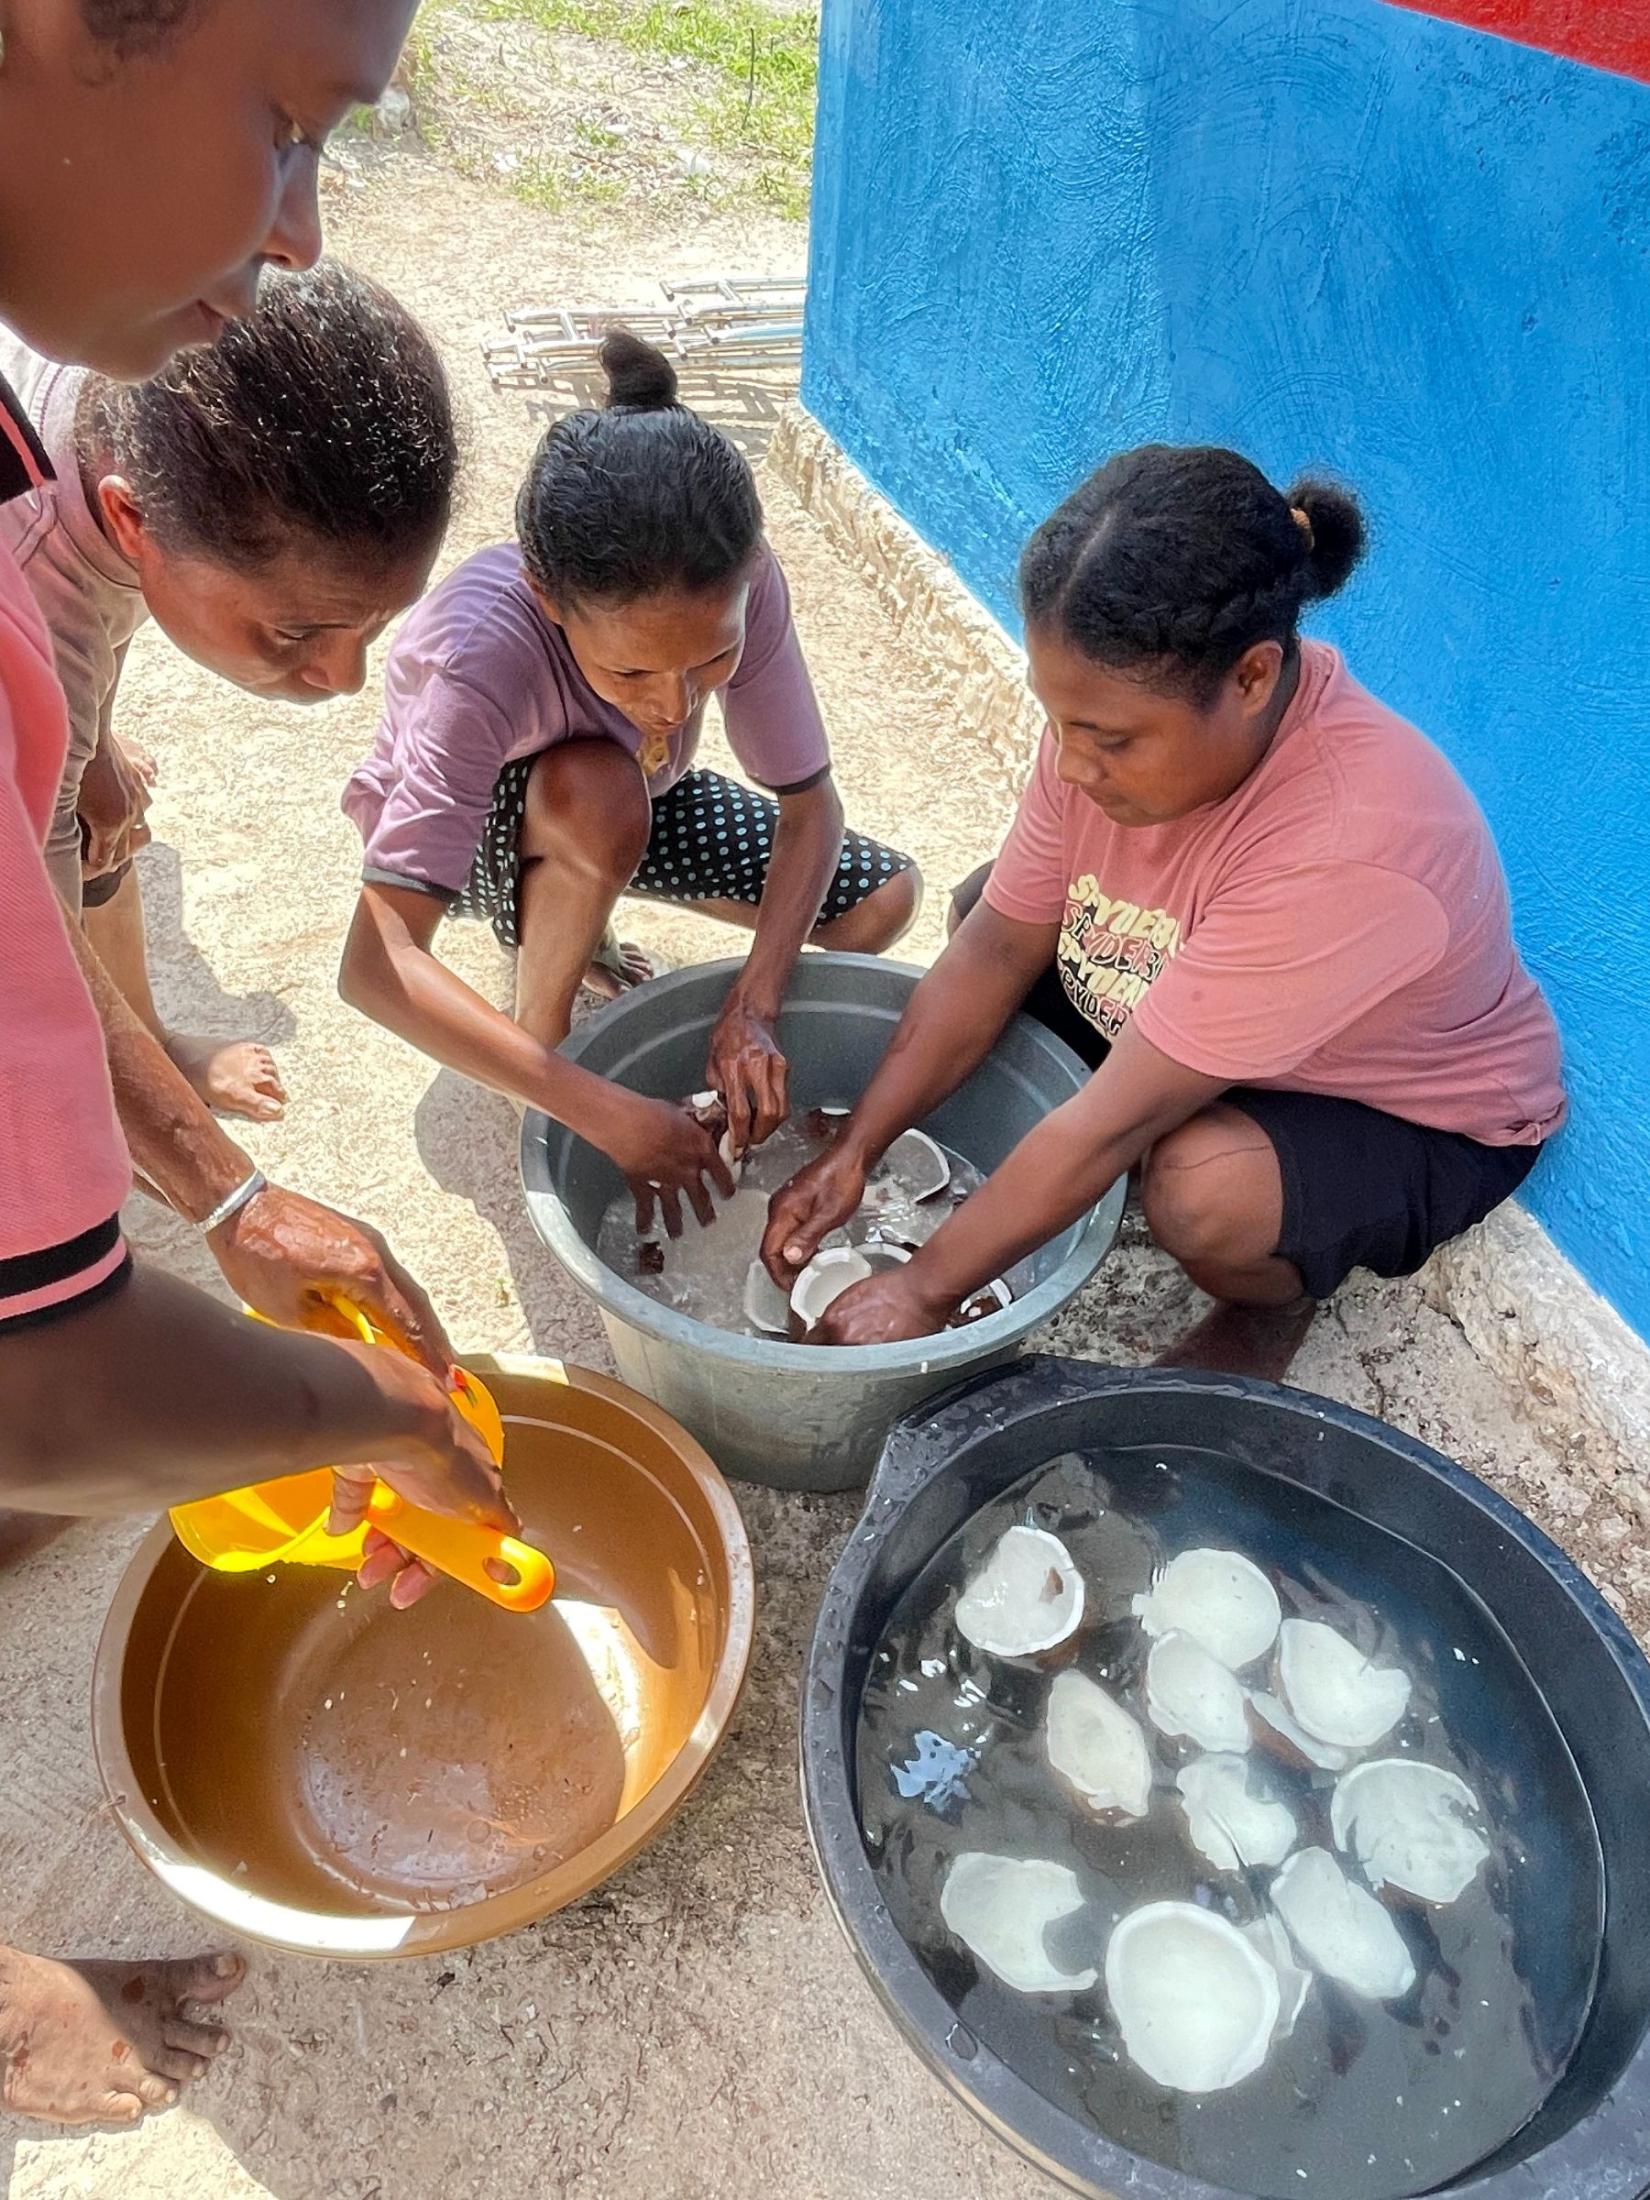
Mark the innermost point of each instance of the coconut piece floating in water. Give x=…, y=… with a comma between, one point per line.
x=1408, y=1826
x=766, y=1307
x=1001, y=1907
x=1294, y=1984
x=1233, y=1820
x=1220, y=1599
x=824, y=1280
x=1190, y=1692
x=991, y=1298
x=1278, y=1731
x=918, y=1166
x=1196, y=2002
x=1334, y=1691
x=1340, y=1929
x=1026, y=1599
x=1098, y=1747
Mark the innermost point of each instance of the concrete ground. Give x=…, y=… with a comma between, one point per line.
x=695, y=2028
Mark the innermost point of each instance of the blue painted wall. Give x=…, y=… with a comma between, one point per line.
x=1331, y=232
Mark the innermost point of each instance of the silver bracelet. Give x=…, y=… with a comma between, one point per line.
x=233, y=1202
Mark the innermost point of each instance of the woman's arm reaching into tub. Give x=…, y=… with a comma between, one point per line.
x=390, y=973
x=952, y=1021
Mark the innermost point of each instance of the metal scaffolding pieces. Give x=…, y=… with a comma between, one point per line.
x=726, y=324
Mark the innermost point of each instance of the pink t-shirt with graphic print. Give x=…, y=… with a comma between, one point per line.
x=1338, y=925
x=481, y=675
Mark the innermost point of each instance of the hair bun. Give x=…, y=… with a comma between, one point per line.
x=1338, y=533
x=639, y=376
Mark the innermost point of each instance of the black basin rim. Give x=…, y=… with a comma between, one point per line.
x=1578, y=2164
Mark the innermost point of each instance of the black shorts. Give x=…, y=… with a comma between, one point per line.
x=1361, y=1189
x=712, y=840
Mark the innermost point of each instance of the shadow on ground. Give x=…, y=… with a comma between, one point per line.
x=186, y=986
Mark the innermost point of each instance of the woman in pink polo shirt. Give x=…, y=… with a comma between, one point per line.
x=1263, y=908
x=542, y=711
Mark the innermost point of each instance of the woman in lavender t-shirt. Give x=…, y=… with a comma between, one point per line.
x=542, y=711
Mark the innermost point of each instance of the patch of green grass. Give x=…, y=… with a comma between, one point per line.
x=767, y=63
x=553, y=185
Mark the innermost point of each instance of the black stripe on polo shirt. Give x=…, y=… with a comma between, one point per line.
x=26, y=1272
x=116, y=1280
x=23, y=461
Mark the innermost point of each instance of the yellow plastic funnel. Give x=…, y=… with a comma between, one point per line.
x=284, y=1522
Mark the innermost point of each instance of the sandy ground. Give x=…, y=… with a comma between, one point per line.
x=696, y=2027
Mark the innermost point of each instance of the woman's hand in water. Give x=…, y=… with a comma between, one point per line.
x=663, y=1152
x=884, y=1309
x=114, y=801
x=746, y=1067
x=817, y=1200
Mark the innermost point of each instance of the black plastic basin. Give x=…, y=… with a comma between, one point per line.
x=1591, y=2138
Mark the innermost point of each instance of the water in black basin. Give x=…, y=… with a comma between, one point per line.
x=1365, y=2100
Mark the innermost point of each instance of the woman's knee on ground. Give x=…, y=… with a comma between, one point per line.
x=1212, y=1191
x=588, y=806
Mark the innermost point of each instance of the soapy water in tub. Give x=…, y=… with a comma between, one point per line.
x=703, y=1272
x=1366, y=2099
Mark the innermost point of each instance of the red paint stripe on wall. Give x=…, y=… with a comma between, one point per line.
x=1611, y=34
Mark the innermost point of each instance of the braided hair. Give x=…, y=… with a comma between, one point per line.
x=1174, y=562
x=639, y=497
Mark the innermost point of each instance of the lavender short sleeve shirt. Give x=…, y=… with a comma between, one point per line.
x=480, y=675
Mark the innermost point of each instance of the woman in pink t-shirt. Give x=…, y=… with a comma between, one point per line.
x=1262, y=907
x=535, y=761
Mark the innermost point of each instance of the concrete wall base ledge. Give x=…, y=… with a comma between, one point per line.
x=1575, y=1368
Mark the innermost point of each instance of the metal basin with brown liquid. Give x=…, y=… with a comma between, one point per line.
x=308, y=1767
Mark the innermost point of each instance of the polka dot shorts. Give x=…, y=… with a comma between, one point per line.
x=712, y=840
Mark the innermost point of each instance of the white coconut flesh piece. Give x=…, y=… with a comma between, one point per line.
x=766, y=1307
x=1026, y=1599
x=1294, y=1983
x=1220, y=1599
x=1098, y=1747
x=1280, y=1728
x=1233, y=1819
x=918, y=1165
x=1340, y=1929
x=824, y=1280
x=734, y=1162
x=1336, y=1692
x=1196, y=2002
x=1001, y=1907
x=1410, y=1826
x=1191, y=1693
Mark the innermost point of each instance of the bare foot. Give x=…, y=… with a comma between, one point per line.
x=634, y=968
x=1245, y=1340
x=102, y=2043
x=233, y=1076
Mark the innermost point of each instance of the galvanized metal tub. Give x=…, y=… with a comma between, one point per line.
x=797, y=1416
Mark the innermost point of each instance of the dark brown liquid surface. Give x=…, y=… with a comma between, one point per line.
x=304, y=1739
